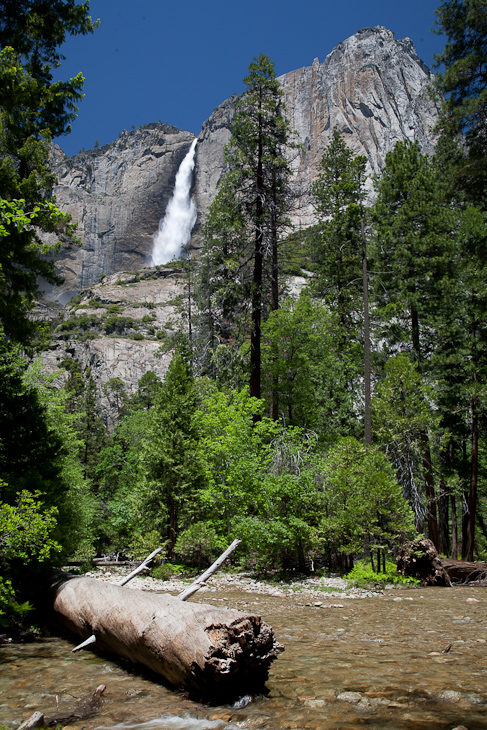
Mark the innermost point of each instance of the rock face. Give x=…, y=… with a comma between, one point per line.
x=116, y=329
x=371, y=86
x=117, y=194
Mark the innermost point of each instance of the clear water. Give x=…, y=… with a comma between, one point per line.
x=390, y=654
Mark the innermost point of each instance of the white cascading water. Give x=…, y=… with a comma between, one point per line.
x=176, y=226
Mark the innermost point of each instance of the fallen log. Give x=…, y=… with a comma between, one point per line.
x=461, y=571
x=210, y=651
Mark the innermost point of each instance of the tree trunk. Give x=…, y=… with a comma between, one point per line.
x=443, y=521
x=367, y=408
x=454, y=528
x=274, y=410
x=255, y=337
x=472, y=497
x=213, y=652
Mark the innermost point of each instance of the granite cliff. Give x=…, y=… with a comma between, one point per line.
x=117, y=194
x=372, y=86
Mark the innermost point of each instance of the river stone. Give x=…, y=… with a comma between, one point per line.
x=452, y=695
x=352, y=697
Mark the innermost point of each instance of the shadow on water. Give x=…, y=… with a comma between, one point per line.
x=406, y=660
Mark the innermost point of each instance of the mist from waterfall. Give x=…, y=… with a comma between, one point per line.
x=176, y=226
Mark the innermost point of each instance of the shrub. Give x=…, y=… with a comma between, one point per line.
x=199, y=544
x=362, y=575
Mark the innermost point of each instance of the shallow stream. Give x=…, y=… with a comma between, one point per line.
x=409, y=659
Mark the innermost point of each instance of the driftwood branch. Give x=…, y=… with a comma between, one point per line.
x=140, y=568
x=199, y=582
x=90, y=708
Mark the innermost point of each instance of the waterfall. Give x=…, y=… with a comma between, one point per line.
x=176, y=226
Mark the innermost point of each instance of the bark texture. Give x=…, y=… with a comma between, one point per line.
x=210, y=651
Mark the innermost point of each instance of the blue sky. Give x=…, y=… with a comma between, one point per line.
x=176, y=61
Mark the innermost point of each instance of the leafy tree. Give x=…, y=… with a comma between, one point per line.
x=28, y=449
x=402, y=412
x=302, y=354
x=25, y=535
x=463, y=81
x=38, y=451
x=76, y=504
x=364, y=507
x=33, y=109
x=257, y=486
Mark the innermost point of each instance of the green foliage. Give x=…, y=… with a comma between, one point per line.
x=143, y=544
x=337, y=193
x=169, y=570
x=10, y=608
x=363, y=575
x=115, y=324
x=74, y=500
x=258, y=486
x=413, y=246
x=363, y=501
x=26, y=529
x=462, y=78
x=402, y=412
x=170, y=457
x=33, y=108
x=302, y=355
x=199, y=544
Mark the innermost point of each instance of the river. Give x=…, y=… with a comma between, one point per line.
x=408, y=659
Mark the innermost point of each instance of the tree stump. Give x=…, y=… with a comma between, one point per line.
x=420, y=559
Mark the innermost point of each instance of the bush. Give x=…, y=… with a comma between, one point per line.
x=165, y=571
x=10, y=610
x=199, y=544
x=362, y=575
x=144, y=544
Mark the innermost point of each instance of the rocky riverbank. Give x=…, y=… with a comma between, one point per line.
x=315, y=589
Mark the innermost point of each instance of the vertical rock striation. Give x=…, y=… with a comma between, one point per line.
x=372, y=86
x=117, y=194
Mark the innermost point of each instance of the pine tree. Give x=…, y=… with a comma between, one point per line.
x=33, y=109
x=170, y=460
x=337, y=194
x=251, y=206
x=414, y=226
x=341, y=255
x=463, y=80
